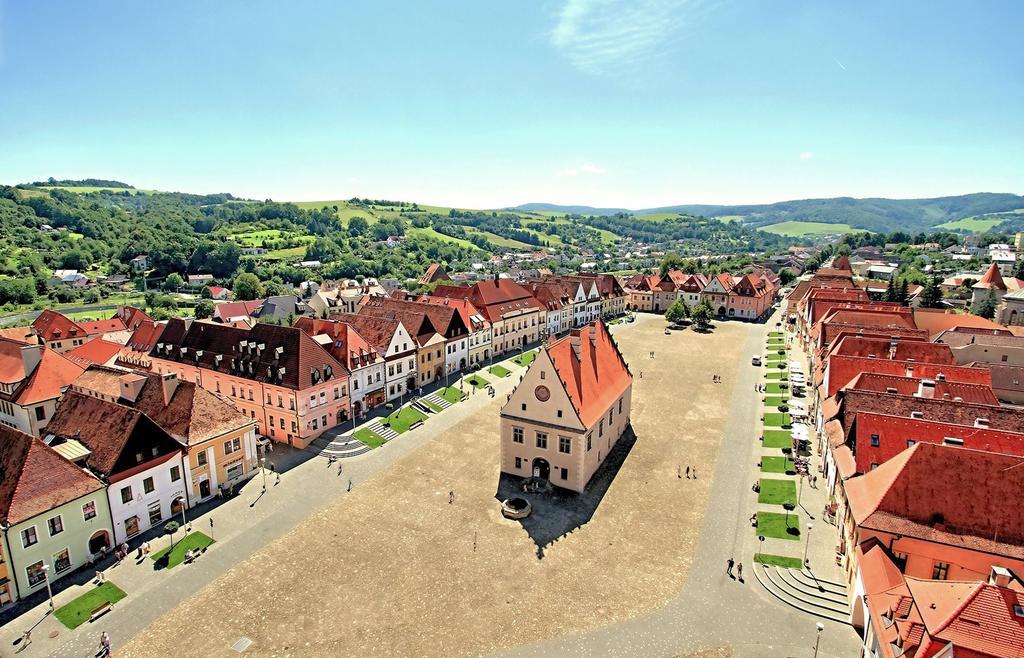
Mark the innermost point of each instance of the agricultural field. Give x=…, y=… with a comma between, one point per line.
x=796, y=229
x=971, y=224
x=86, y=189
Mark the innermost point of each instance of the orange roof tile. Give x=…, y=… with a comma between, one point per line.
x=591, y=369
x=93, y=327
x=52, y=325
x=96, y=350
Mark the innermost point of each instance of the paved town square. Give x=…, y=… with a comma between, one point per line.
x=393, y=569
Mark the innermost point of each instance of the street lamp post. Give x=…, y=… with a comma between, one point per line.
x=184, y=522
x=810, y=526
x=49, y=590
x=820, y=626
x=263, y=470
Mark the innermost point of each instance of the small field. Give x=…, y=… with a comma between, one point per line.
x=777, y=465
x=451, y=394
x=77, y=612
x=773, y=524
x=499, y=371
x=778, y=561
x=777, y=492
x=477, y=381
x=774, y=401
x=777, y=439
x=971, y=224
x=526, y=358
x=192, y=541
x=402, y=420
x=368, y=438
x=777, y=420
x=797, y=229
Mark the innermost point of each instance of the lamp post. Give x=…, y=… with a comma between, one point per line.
x=820, y=626
x=263, y=470
x=810, y=526
x=46, y=577
x=184, y=522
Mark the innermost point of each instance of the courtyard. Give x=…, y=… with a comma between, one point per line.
x=393, y=568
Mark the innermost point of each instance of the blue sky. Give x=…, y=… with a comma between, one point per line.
x=486, y=104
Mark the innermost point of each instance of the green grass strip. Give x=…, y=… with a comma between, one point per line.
x=778, y=560
x=76, y=612
x=403, y=419
x=499, y=371
x=369, y=438
x=777, y=439
x=477, y=381
x=193, y=541
x=778, y=465
x=776, y=526
x=777, y=492
x=452, y=394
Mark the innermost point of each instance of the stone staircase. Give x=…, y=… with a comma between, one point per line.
x=437, y=401
x=342, y=446
x=800, y=589
x=380, y=430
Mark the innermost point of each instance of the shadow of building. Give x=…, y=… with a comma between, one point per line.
x=558, y=512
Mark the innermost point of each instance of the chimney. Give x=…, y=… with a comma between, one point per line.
x=981, y=423
x=169, y=383
x=131, y=386
x=31, y=355
x=926, y=389
x=1000, y=577
x=940, y=377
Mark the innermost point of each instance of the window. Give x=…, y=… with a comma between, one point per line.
x=611, y=413
x=874, y=466
x=517, y=434
x=542, y=440
x=234, y=391
x=55, y=525
x=40, y=413
x=323, y=421
x=35, y=573
x=280, y=402
x=589, y=437
x=315, y=424
x=910, y=443
x=148, y=486
x=201, y=458
x=312, y=400
x=282, y=423
x=524, y=406
x=29, y=537
x=559, y=413
x=89, y=510
x=940, y=571
x=295, y=427
x=519, y=462
x=542, y=374
x=874, y=441
x=155, y=516
x=564, y=445
x=620, y=405
x=565, y=473
x=600, y=428
x=1003, y=358
x=126, y=495
x=234, y=445
x=175, y=473
x=336, y=396
x=62, y=561
x=901, y=560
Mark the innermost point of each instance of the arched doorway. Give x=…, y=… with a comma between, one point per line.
x=721, y=311
x=541, y=468
x=99, y=542
x=439, y=373
x=177, y=505
x=462, y=364
x=1013, y=317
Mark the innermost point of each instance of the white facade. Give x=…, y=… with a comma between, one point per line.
x=152, y=493
x=456, y=354
x=478, y=344
x=366, y=380
x=400, y=368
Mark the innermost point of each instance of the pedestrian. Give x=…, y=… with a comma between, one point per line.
x=350, y=484
x=105, y=643
x=278, y=480
x=330, y=460
x=146, y=548
x=679, y=471
x=117, y=555
x=138, y=554
x=728, y=566
x=100, y=578
x=739, y=572
x=341, y=467
x=694, y=472
x=451, y=497
x=124, y=549
x=687, y=471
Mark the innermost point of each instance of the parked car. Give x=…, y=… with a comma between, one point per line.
x=755, y=360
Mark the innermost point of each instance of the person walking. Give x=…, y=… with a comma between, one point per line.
x=100, y=577
x=687, y=471
x=451, y=497
x=104, y=644
x=739, y=572
x=341, y=467
x=728, y=567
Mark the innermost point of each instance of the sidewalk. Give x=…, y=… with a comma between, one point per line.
x=242, y=525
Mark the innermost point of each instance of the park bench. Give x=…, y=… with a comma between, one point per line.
x=100, y=610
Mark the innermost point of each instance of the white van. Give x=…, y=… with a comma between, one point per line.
x=755, y=360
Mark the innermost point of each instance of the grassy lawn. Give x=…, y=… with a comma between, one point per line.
x=782, y=376
x=75, y=613
x=794, y=229
x=436, y=408
x=776, y=492
x=778, y=560
x=772, y=524
x=777, y=439
x=194, y=540
x=774, y=356
x=368, y=438
x=777, y=465
x=404, y=418
x=972, y=224
x=451, y=394
x=777, y=420
x=477, y=381
x=526, y=358
x=777, y=389
x=773, y=401
x=499, y=371
x=775, y=334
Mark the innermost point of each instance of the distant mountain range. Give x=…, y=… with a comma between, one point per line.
x=880, y=215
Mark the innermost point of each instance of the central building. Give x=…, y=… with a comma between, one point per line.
x=569, y=410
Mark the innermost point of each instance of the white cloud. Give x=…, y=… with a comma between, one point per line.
x=584, y=169
x=607, y=36
x=806, y=155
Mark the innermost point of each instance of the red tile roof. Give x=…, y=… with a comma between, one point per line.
x=93, y=327
x=494, y=297
x=45, y=380
x=132, y=316
x=591, y=369
x=841, y=370
x=946, y=390
x=936, y=321
x=35, y=479
x=347, y=345
x=20, y=334
x=976, y=618
x=377, y=331
x=96, y=350
x=445, y=320
x=146, y=335
x=226, y=311
x=471, y=315
x=943, y=494
x=435, y=272
x=992, y=279
x=52, y=325
x=1009, y=419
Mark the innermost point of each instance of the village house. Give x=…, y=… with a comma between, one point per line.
x=346, y=296
x=140, y=263
x=445, y=320
x=430, y=343
x=58, y=332
x=366, y=366
x=31, y=379
x=277, y=376
x=54, y=516
x=993, y=283
x=650, y=293
x=220, y=443
x=142, y=464
x=392, y=341
x=515, y=316
x=478, y=343
x=571, y=407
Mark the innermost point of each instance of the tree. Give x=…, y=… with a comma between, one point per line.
x=904, y=293
x=787, y=276
x=247, y=287
x=75, y=259
x=702, y=315
x=671, y=261
x=358, y=226
x=173, y=282
x=987, y=308
x=1019, y=274
x=204, y=309
x=205, y=293
x=170, y=529
x=932, y=295
x=677, y=312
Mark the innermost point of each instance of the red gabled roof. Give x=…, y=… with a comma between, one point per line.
x=942, y=389
x=52, y=325
x=935, y=321
x=465, y=308
x=228, y=310
x=96, y=350
x=435, y=272
x=146, y=336
x=841, y=370
x=93, y=327
x=132, y=316
x=21, y=334
x=35, y=479
x=992, y=279
x=494, y=297
x=52, y=373
x=591, y=369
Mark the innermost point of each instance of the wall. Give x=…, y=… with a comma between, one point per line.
x=164, y=493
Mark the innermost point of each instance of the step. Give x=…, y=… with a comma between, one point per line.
x=384, y=432
x=438, y=401
x=809, y=580
x=807, y=593
x=806, y=572
x=763, y=576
